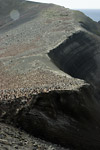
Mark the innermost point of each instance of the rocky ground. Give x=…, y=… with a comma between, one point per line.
x=24, y=47
x=13, y=139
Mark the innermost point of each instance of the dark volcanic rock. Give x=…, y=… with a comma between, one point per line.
x=79, y=56
x=65, y=117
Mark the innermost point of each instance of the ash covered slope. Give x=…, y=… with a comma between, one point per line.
x=25, y=43
x=33, y=89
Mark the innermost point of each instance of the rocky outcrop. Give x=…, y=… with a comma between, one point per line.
x=65, y=117
x=79, y=56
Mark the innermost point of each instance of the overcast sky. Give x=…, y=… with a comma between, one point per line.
x=85, y=4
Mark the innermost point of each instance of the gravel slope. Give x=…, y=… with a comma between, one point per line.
x=25, y=43
x=12, y=139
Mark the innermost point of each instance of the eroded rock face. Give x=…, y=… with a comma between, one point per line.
x=68, y=118
x=79, y=56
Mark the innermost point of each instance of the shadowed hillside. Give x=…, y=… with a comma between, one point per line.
x=79, y=56
x=87, y=22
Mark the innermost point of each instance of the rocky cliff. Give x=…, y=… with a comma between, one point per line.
x=49, y=73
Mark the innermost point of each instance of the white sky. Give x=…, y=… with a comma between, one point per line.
x=74, y=4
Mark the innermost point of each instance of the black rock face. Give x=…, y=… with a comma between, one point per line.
x=68, y=118
x=79, y=56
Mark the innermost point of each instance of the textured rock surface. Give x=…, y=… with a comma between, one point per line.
x=24, y=45
x=69, y=118
x=12, y=139
x=79, y=56
x=39, y=45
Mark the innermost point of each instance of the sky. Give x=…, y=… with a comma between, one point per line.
x=74, y=4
